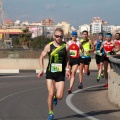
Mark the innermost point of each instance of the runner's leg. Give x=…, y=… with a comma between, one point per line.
x=50, y=87
x=73, y=72
x=60, y=89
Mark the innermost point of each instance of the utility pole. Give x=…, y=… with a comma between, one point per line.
x=2, y=13
x=4, y=26
x=3, y=18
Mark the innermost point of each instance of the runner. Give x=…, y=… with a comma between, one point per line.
x=108, y=46
x=74, y=46
x=58, y=53
x=85, y=59
x=99, y=56
x=117, y=43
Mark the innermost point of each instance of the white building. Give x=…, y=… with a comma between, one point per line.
x=99, y=25
x=84, y=27
x=96, y=25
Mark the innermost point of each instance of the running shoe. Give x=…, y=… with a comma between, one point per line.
x=55, y=100
x=98, y=78
x=69, y=91
x=102, y=75
x=106, y=85
x=80, y=86
x=88, y=73
x=50, y=117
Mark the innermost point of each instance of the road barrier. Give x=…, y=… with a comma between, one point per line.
x=115, y=61
x=114, y=80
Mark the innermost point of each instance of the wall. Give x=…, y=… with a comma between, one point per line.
x=30, y=64
x=114, y=87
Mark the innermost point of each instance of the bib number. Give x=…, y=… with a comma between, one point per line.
x=108, y=54
x=98, y=53
x=73, y=53
x=56, y=67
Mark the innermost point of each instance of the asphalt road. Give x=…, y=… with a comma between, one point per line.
x=24, y=97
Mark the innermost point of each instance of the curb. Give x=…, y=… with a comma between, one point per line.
x=25, y=71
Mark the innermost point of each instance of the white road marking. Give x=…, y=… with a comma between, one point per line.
x=17, y=76
x=69, y=103
x=10, y=95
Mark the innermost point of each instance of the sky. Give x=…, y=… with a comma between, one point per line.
x=75, y=12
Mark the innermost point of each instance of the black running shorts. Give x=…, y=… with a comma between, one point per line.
x=85, y=61
x=74, y=61
x=106, y=59
x=99, y=59
x=57, y=76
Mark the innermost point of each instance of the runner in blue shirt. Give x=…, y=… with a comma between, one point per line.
x=99, y=55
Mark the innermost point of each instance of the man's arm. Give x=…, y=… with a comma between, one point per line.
x=68, y=56
x=81, y=47
x=43, y=54
x=68, y=60
x=101, y=47
x=92, y=46
x=95, y=42
x=41, y=58
x=117, y=47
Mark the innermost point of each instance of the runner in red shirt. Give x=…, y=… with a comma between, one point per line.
x=108, y=47
x=74, y=47
x=117, y=43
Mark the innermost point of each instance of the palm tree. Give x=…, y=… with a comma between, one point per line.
x=25, y=38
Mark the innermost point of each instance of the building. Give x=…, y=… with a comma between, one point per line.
x=10, y=32
x=47, y=22
x=66, y=27
x=98, y=25
x=84, y=27
x=9, y=22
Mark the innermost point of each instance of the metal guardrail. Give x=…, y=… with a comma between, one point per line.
x=115, y=61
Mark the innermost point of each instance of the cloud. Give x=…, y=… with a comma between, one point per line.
x=50, y=6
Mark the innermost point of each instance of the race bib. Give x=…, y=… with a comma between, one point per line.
x=98, y=53
x=73, y=53
x=56, y=67
x=108, y=54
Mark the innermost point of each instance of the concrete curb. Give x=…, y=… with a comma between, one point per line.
x=9, y=70
x=24, y=71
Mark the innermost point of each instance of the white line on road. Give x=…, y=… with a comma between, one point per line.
x=17, y=76
x=69, y=103
x=19, y=93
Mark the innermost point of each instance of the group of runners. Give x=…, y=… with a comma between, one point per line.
x=65, y=58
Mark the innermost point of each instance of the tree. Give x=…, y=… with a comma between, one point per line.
x=15, y=41
x=39, y=42
x=25, y=38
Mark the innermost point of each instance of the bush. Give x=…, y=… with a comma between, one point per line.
x=40, y=42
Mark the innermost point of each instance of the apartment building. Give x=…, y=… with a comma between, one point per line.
x=66, y=27
x=84, y=27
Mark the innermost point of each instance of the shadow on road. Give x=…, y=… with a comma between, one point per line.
x=92, y=113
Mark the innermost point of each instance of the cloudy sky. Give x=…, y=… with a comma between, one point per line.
x=76, y=12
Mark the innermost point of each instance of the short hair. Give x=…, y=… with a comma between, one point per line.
x=117, y=33
x=60, y=30
x=85, y=31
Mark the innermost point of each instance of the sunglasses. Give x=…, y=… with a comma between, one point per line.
x=74, y=35
x=57, y=36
